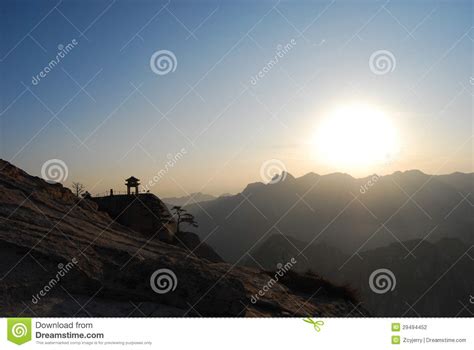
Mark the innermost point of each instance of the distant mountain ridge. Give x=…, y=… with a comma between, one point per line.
x=44, y=227
x=190, y=199
x=342, y=211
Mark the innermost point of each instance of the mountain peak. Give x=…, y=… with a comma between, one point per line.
x=283, y=177
x=337, y=177
x=308, y=179
x=414, y=172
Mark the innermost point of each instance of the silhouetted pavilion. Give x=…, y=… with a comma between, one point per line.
x=132, y=182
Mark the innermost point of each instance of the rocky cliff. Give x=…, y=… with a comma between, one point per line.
x=144, y=213
x=147, y=215
x=61, y=256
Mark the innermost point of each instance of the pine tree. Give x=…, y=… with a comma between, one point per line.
x=183, y=217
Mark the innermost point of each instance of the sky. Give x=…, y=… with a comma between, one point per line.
x=248, y=88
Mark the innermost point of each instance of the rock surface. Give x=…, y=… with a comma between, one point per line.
x=44, y=228
x=192, y=243
x=144, y=213
x=147, y=215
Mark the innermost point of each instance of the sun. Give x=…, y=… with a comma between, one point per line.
x=356, y=137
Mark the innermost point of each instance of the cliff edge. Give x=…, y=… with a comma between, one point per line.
x=61, y=256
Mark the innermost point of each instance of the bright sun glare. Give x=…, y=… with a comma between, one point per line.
x=356, y=136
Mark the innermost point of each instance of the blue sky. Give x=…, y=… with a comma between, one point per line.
x=112, y=128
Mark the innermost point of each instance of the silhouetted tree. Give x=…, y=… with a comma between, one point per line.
x=78, y=188
x=182, y=217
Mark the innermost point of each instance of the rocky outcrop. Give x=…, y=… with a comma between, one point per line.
x=144, y=213
x=61, y=256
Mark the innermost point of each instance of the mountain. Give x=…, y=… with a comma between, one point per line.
x=186, y=200
x=62, y=256
x=433, y=281
x=347, y=213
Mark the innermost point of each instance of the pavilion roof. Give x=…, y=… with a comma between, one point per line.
x=132, y=179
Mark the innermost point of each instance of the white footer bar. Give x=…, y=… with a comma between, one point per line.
x=237, y=333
